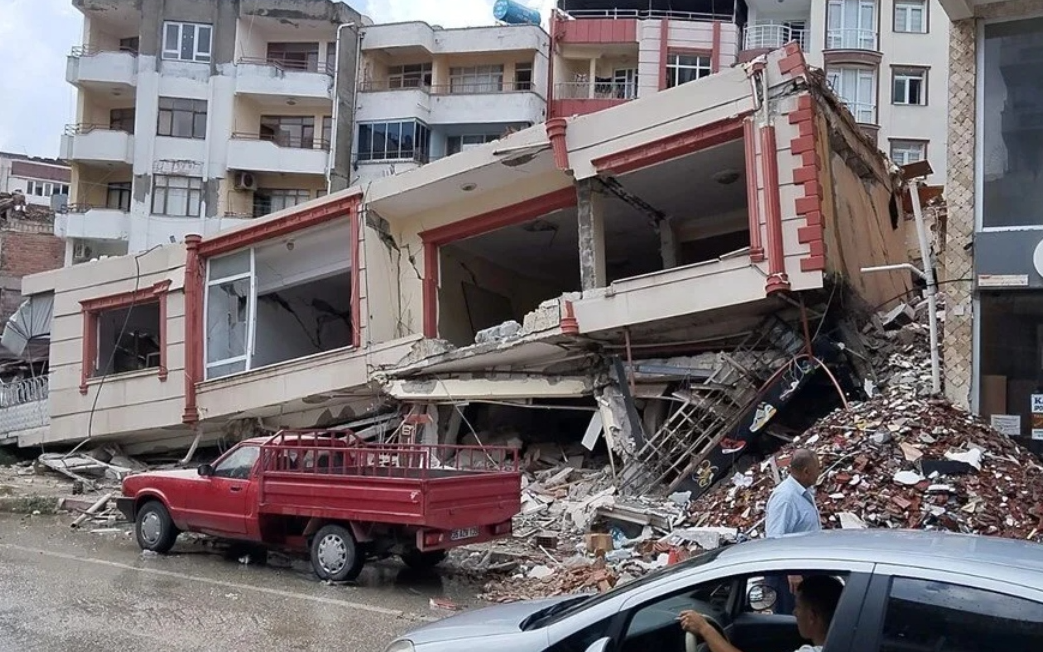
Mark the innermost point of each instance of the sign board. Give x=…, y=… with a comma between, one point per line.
x=1007, y=424
x=1003, y=280
x=1037, y=416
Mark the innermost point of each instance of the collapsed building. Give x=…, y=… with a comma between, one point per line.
x=658, y=284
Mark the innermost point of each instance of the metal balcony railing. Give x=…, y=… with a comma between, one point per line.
x=649, y=14
x=378, y=85
x=24, y=391
x=84, y=128
x=464, y=87
x=851, y=39
x=585, y=90
x=772, y=36
x=864, y=113
x=288, y=65
x=80, y=51
x=291, y=142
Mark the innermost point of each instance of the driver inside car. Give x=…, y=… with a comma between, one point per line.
x=817, y=599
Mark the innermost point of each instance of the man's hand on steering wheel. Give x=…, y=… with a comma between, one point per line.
x=694, y=623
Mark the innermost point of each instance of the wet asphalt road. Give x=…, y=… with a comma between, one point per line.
x=71, y=591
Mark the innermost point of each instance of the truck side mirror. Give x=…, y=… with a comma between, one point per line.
x=206, y=470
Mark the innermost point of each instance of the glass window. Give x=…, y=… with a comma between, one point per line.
x=909, y=87
x=177, y=196
x=181, y=118
x=118, y=196
x=239, y=464
x=187, y=41
x=413, y=76
x=476, y=79
x=227, y=317
x=289, y=130
x=295, y=56
x=857, y=88
x=942, y=617
x=389, y=141
x=271, y=201
x=122, y=120
x=523, y=76
x=910, y=16
x=1012, y=123
x=457, y=144
x=904, y=152
x=851, y=25
x=128, y=339
x=683, y=68
x=327, y=132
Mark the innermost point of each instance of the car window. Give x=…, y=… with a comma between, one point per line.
x=239, y=464
x=653, y=625
x=584, y=638
x=943, y=617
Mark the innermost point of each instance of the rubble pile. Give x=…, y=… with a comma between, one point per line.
x=898, y=343
x=14, y=205
x=900, y=462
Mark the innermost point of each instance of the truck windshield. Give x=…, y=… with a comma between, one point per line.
x=238, y=464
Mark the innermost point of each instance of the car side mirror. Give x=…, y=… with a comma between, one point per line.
x=761, y=597
x=206, y=470
x=600, y=645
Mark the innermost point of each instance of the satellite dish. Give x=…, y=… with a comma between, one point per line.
x=1037, y=258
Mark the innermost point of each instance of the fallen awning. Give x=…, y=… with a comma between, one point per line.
x=27, y=333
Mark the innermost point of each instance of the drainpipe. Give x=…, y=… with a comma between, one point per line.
x=336, y=98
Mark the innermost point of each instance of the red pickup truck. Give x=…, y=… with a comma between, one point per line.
x=334, y=495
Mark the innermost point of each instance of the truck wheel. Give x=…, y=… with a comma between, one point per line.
x=154, y=529
x=423, y=560
x=334, y=554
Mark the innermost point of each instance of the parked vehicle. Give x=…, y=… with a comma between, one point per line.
x=335, y=496
x=903, y=592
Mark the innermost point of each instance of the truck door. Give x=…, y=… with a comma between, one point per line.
x=225, y=508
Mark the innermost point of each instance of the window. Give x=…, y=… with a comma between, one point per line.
x=904, y=152
x=289, y=130
x=851, y=25
x=271, y=201
x=45, y=188
x=523, y=77
x=239, y=464
x=128, y=339
x=182, y=118
x=413, y=76
x=476, y=79
x=177, y=196
x=229, y=309
x=857, y=88
x=122, y=120
x=187, y=41
x=327, y=132
x=942, y=617
x=683, y=68
x=624, y=84
x=909, y=86
x=60, y=189
x=457, y=144
x=129, y=44
x=117, y=196
x=911, y=16
x=389, y=141
x=295, y=56
x=35, y=188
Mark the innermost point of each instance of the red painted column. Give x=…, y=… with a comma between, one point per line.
x=715, y=56
x=194, y=332
x=664, y=50
x=777, y=281
x=356, y=281
x=749, y=137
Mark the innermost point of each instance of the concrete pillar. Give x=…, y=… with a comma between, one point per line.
x=591, y=235
x=668, y=244
x=592, y=77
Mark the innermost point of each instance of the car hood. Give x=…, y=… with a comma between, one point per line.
x=490, y=621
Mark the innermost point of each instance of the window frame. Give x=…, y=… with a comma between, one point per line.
x=191, y=192
x=861, y=74
x=674, y=66
x=91, y=309
x=119, y=119
x=121, y=190
x=421, y=138
x=476, y=140
x=198, y=54
x=197, y=109
x=299, y=130
x=908, y=74
x=907, y=8
x=900, y=143
x=418, y=75
x=837, y=34
x=476, y=80
x=247, y=448
x=524, y=67
x=298, y=195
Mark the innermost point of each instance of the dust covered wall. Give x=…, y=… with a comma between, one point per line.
x=861, y=214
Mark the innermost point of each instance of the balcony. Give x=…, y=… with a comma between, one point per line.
x=91, y=68
x=763, y=37
x=852, y=46
x=583, y=97
x=477, y=103
x=24, y=407
x=272, y=76
x=87, y=222
x=91, y=143
x=379, y=99
x=253, y=153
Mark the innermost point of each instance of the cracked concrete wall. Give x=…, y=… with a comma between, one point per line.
x=591, y=234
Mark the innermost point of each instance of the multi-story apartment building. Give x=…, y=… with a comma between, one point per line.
x=194, y=116
x=886, y=58
x=993, y=256
x=39, y=179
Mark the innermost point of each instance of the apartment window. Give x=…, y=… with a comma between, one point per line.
x=911, y=16
x=122, y=120
x=187, y=41
x=289, y=130
x=851, y=25
x=904, y=152
x=683, y=68
x=857, y=88
x=129, y=44
x=180, y=118
x=327, y=132
x=624, y=84
x=128, y=339
x=476, y=79
x=457, y=144
x=271, y=201
x=416, y=75
x=177, y=196
x=45, y=188
x=383, y=141
x=523, y=77
x=295, y=56
x=909, y=86
x=117, y=196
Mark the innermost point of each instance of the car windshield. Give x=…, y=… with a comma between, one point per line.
x=651, y=578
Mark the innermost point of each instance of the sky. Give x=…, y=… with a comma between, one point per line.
x=36, y=36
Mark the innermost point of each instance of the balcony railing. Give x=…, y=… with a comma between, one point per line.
x=288, y=65
x=24, y=391
x=379, y=85
x=585, y=90
x=79, y=51
x=83, y=128
x=772, y=36
x=851, y=39
x=482, y=88
x=292, y=142
x=864, y=113
x=81, y=208
x=649, y=14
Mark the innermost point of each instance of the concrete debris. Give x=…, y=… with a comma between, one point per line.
x=502, y=333
x=14, y=206
x=902, y=315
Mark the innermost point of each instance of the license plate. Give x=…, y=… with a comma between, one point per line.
x=465, y=533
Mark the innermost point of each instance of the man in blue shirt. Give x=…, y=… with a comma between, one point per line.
x=791, y=509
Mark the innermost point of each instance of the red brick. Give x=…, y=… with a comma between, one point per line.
x=807, y=205
x=813, y=264
x=26, y=248
x=805, y=174
x=804, y=102
x=797, y=117
x=806, y=234
x=814, y=218
x=802, y=145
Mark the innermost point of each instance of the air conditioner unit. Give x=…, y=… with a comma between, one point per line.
x=245, y=181
x=81, y=251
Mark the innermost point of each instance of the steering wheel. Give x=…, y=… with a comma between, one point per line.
x=693, y=643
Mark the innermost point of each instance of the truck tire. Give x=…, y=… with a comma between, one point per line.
x=423, y=560
x=154, y=528
x=335, y=555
